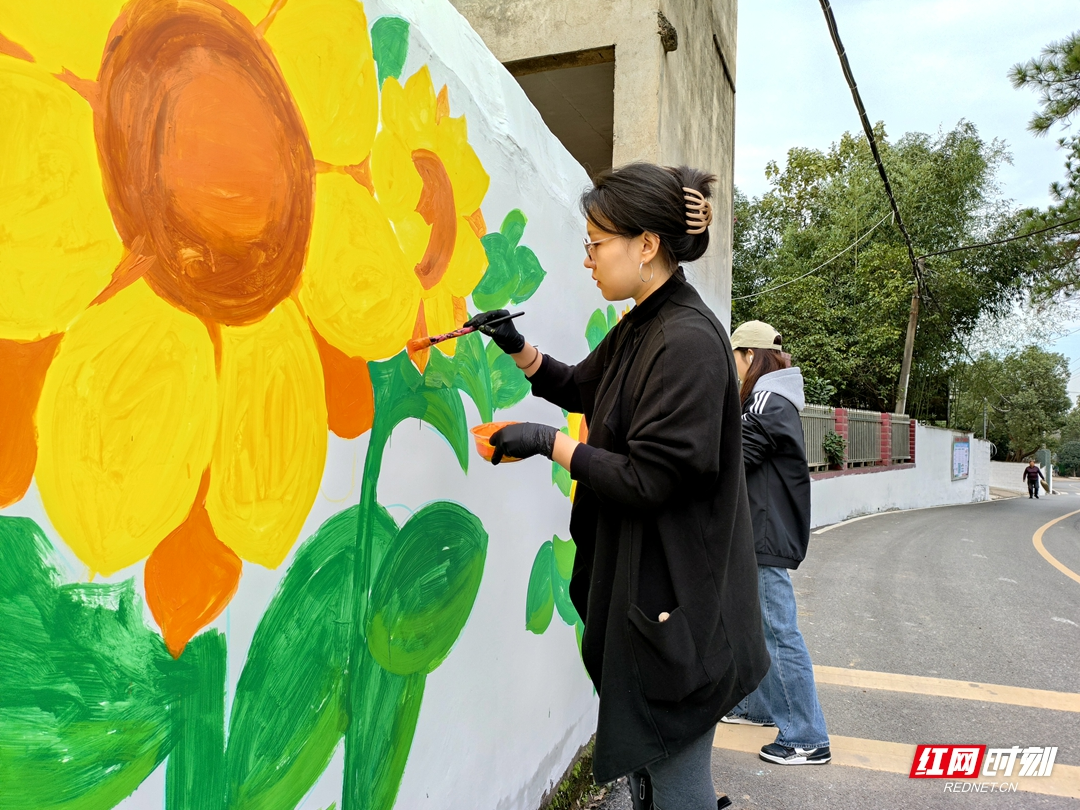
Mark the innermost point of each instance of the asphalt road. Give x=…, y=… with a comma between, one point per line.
x=960, y=598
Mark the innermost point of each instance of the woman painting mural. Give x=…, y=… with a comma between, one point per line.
x=665, y=576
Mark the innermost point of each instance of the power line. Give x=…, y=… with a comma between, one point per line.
x=1001, y=241
x=820, y=266
x=842, y=54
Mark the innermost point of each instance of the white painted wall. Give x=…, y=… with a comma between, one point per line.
x=928, y=483
x=507, y=711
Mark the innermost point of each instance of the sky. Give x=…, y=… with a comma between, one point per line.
x=920, y=65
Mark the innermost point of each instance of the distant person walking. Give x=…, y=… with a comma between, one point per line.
x=778, y=486
x=1032, y=474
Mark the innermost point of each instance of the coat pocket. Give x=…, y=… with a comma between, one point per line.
x=667, y=658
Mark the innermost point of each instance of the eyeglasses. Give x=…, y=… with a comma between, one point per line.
x=590, y=245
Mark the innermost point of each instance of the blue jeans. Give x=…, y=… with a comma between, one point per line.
x=787, y=696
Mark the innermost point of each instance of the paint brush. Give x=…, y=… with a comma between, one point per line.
x=421, y=343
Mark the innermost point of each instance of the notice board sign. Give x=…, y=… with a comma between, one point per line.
x=961, y=458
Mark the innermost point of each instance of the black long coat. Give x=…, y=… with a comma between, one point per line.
x=661, y=523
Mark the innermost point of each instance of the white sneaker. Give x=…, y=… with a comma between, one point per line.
x=740, y=720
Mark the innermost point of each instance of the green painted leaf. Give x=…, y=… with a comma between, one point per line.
x=529, y=273
x=195, y=774
x=290, y=706
x=612, y=317
x=509, y=385
x=560, y=591
x=596, y=329
x=560, y=476
x=425, y=588
x=539, y=601
x=500, y=279
x=390, y=46
x=579, y=631
x=76, y=663
x=385, y=708
x=565, y=551
x=401, y=393
x=473, y=372
x=513, y=226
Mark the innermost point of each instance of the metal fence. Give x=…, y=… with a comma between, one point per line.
x=864, y=437
x=817, y=420
x=901, y=438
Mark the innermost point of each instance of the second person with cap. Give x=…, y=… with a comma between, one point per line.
x=778, y=487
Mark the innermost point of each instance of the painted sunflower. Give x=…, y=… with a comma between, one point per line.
x=200, y=249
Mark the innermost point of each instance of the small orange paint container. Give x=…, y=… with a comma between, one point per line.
x=483, y=433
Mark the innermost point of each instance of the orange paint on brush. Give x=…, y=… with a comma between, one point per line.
x=350, y=400
x=205, y=155
x=25, y=363
x=419, y=347
x=190, y=577
x=482, y=438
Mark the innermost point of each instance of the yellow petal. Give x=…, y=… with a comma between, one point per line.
x=463, y=167
x=413, y=235
x=411, y=110
x=63, y=34
x=271, y=446
x=324, y=52
x=468, y=263
x=126, y=427
x=58, y=246
x=393, y=173
x=358, y=289
x=254, y=10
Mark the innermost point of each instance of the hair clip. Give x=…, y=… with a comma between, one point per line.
x=698, y=211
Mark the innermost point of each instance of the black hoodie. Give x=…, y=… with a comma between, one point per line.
x=777, y=476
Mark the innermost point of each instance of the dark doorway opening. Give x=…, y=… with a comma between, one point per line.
x=575, y=94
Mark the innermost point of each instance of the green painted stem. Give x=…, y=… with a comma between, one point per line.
x=195, y=775
x=353, y=790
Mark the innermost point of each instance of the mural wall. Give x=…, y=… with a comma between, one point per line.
x=249, y=557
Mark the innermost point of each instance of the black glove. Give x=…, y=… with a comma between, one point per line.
x=523, y=440
x=505, y=334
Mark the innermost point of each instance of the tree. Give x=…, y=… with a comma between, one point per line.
x=1055, y=76
x=1070, y=431
x=1023, y=393
x=845, y=321
x=1068, y=458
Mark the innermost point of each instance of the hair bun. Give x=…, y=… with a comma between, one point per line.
x=668, y=201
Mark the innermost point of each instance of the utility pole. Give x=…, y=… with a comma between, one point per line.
x=909, y=349
x=984, y=419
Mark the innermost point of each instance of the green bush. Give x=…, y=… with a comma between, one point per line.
x=835, y=447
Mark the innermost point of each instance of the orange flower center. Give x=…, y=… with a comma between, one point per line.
x=436, y=206
x=205, y=157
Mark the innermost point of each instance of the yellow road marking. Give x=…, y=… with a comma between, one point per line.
x=1037, y=539
x=942, y=687
x=877, y=755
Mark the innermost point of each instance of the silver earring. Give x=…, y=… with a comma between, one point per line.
x=651, y=274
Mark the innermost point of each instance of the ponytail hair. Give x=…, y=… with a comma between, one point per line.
x=765, y=361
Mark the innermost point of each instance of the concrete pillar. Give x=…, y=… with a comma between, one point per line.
x=840, y=425
x=670, y=106
x=886, y=439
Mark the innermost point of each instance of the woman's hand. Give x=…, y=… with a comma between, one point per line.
x=505, y=334
x=523, y=440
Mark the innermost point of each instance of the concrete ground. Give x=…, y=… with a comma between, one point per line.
x=935, y=626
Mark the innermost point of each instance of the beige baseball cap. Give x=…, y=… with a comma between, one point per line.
x=755, y=335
